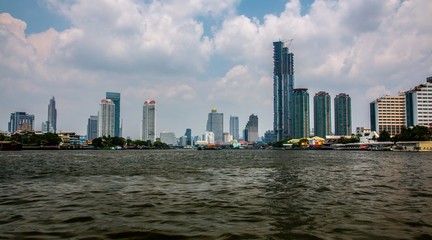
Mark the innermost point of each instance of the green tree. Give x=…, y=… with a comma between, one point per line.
x=51, y=139
x=384, y=136
x=160, y=145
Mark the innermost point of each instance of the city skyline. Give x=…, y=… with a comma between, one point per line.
x=212, y=54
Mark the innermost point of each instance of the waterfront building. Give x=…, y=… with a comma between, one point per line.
x=52, y=116
x=182, y=141
x=322, y=114
x=106, y=118
x=115, y=97
x=234, y=127
x=418, y=107
x=92, y=127
x=188, y=135
x=21, y=121
x=301, y=121
x=209, y=137
x=283, y=85
x=227, y=137
x=215, y=124
x=343, y=122
x=169, y=138
x=251, y=129
x=388, y=114
x=149, y=121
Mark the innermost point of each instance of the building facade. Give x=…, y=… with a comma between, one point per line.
x=21, y=121
x=342, y=111
x=92, y=127
x=234, y=127
x=215, y=125
x=283, y=85
x=106, y=118
x=388, y=114
x=115, y=98
x=169, y=138
x=322, y=114
x=188, y=135
x=149, y=121
x=52, y=116
x=418, y=106
x=301, y=113
x=252, y=129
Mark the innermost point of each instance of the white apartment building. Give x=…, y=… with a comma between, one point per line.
x=419, y=105
x=106, y=118
x=149, y=121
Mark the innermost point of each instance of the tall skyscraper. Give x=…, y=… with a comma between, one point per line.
x=322, y=114
x=252, y=129
x=149, y=121
x=234, y=127
x=106, y=117
x=188, y=135
x=215, y=124
x=92, y=127
x=388, y=114
x=300, y=109
x=115, y=97
x=342, y=105
x=21, y=121
x=283, y=85
x=419, y=105
x=52, y=116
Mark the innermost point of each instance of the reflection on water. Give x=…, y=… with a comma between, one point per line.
x=215, y=195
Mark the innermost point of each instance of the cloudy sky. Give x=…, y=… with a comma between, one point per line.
x=192, y=55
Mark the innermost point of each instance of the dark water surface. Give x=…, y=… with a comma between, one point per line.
x=215, y=195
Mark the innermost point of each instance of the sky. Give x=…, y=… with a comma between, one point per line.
x=193, y=55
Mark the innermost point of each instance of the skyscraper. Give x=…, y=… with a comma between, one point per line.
x=252, y=129
x=234, y=127
x=52, y=116
x=149, y=121
x=419, y=105
x=106, y=116
x=388, y=114
x=342, y=105
x=283, y=85
x=322, y=114
x=300, y=109
x=21, y=121
x=188, y=135
x=115, y=97
x=215, y=124
x=92, y=127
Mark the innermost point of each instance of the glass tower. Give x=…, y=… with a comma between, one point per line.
x=283, y=85
x=342, y=105
x=215, y=124
x=322, y=114
x=115, y=97
x=300, y=109
x=92, y=127
x=234, y=127
x=52, y=116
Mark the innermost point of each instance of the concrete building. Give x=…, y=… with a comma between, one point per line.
x=234, y=127
x=106, y=118
x=301, y=113
x=92, y=127
x=283, y=85
x=215, y=124
x=418, y=107
x=115, y=98
x=169, y=138
x=343, y=121
x=208, y=137
x=149, y=121
x=252, y=129
x=388, y=114
x=21, y=121
x=322, y=114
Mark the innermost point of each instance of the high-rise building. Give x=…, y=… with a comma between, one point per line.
x=52, y=116
x=215, y=124
x=342, y=106
x=115, y=97
x=252, y=129
x=169, y=138
x=188, y=135
x=283, y=85
x=322, y=114
x=419, y=105
x=388, y=114
x=149, y=121
x=21, y=121
x=300, y=109
x=92, y=127
x=234, y=127
x=106, y=118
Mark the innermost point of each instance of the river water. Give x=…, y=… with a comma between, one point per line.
x=243, y=194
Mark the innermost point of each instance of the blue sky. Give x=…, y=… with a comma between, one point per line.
x=191, y=56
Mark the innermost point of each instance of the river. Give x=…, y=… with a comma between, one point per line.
x=226, y=194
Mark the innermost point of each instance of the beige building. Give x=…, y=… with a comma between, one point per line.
x=417, y=146
x=388, y=114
